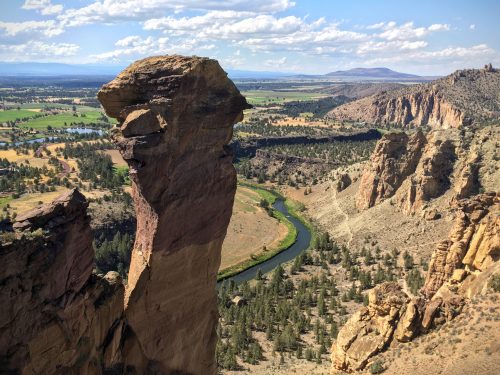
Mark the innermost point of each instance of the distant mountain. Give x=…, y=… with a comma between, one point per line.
x=57, y=69
x=372, y=73
x=37, y=69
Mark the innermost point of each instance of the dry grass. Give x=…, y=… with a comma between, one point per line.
x=250, y=229
x=116, y=157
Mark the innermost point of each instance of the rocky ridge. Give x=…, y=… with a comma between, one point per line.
x=458, y=99
x=416, y=170
x=460, y=269
x=175, y=121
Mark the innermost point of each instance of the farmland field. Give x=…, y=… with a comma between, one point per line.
x=14, y=114
x=62, y=120
x=261, y=97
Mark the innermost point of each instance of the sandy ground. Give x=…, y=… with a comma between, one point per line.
x=469, y=344
x=116, y=157
x=384, y=225
x=250, y=229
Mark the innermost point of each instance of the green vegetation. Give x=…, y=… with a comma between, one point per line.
x=14, y=114
x=377, y=367
x=314, y=108
x=494, y=283
x=339, y=152
x=65, y=120
x=269, y=97
x=95, y=167
x=114, y=254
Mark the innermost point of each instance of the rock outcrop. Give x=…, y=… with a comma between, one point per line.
x=175, y=121
x=460, y=268
x=395, y=157
x=57, y=317
x=176, y=116
x=372, y=328
x=473, y=244
x=449, y=102
x=432, y=175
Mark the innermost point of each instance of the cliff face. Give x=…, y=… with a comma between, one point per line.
x=57, y=318
x=415, y=170
x=460, y=268
x=432, y=175
x=449, y=102
x=419, y=108
x=176, y=116
x=473, y=244
x=395, y=157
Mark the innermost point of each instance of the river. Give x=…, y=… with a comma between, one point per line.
x=301, y=243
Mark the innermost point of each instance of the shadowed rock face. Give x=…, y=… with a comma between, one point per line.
x=56, y=317
x=176, y=116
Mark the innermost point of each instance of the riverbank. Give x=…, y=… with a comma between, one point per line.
x=287, y=212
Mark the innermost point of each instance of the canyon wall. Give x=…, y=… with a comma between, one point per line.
x=450, y=102
x=418, y=172
x=175, y=116
x=395, y=157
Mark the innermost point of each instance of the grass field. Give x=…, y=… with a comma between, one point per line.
x=14, y=114
x=61, y=120
x=260, y=97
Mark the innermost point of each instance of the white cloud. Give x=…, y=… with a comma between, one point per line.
x=275, y=63
x=451, y=54
x=384, y=47
x=45, y=7
x=407, y=30
x=47, y=28
x=133, y=47
x=117, y=10
x=35, y=50
x=472, y=26
x=375, y=26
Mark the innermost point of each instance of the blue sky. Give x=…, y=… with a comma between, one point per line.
x=422, y=37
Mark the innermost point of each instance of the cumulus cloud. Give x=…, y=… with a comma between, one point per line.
x=117, y=10
x=393, y=31
x=134, y=46
x=36, y=50
x=275, y=63
x=47, y=28
x=45, y=7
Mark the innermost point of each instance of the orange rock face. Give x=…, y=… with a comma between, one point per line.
x=177, y=115
x=395, y=157
x=473, y=243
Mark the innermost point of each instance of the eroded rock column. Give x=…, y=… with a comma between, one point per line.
x=175, y=120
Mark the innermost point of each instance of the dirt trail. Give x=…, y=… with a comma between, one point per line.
x=345, y=222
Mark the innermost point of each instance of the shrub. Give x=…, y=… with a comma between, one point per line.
x=494, y=283
x=377, y=367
